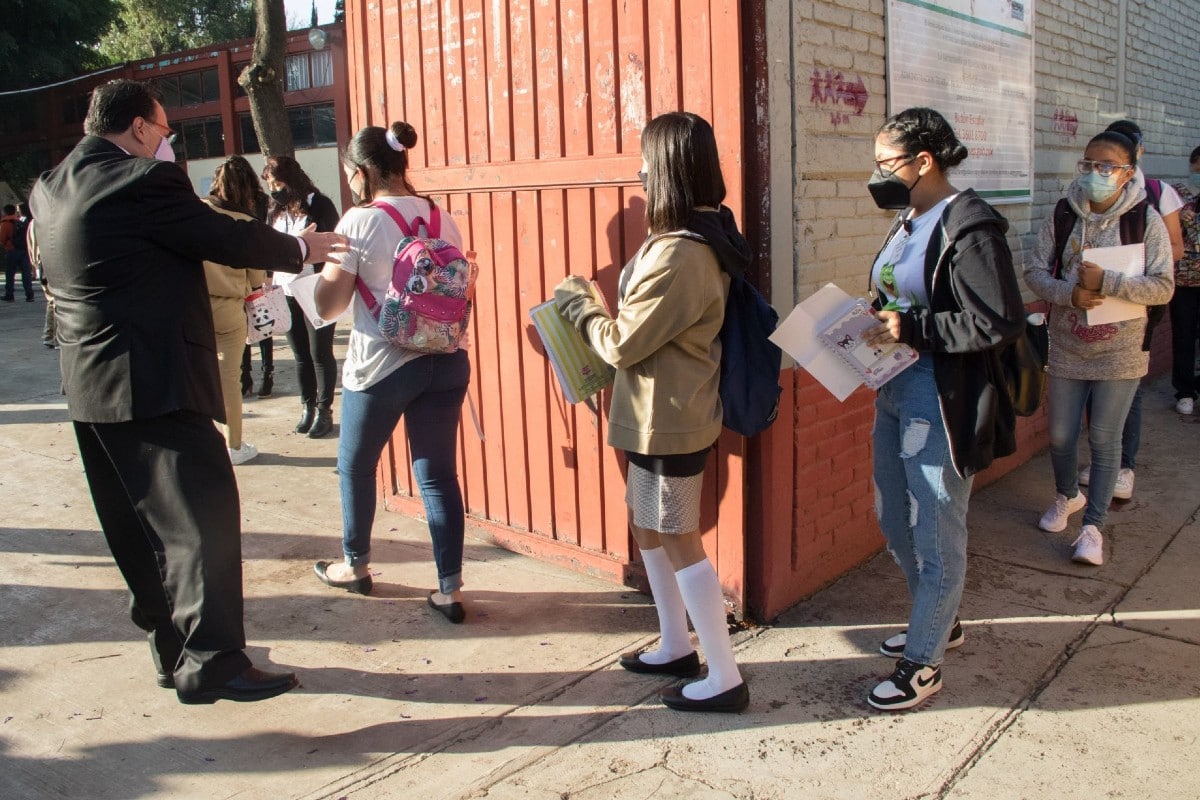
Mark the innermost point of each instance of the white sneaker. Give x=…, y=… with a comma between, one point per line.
x=1185, y=405
x=242, y=454
x=1123, y=490
x=1055, y=518
x=1089, y=547
x=1085, y=475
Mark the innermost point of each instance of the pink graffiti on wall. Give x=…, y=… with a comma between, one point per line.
x=834, y=88
x=1065, y=123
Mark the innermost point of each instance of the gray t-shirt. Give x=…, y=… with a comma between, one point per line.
x=373, y=238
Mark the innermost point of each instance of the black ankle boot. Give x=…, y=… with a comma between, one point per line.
x=268, y=383
x=322, y=425
x=306, y=419
x=247, y=384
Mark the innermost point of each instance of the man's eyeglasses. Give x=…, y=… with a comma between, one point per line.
x=167, y=133
x=886, y=172
x=1101, y=168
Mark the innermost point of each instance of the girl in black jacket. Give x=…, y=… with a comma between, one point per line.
x=945, y=286
x=296, y=204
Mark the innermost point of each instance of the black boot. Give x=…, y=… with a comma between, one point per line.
x=306, y=418
x=247, y=380
x=268, y=383
x=322, y=425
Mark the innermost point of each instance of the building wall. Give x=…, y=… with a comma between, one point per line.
x=323, y=165
x=1095, y=61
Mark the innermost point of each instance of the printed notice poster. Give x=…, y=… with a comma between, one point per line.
x=971, y=60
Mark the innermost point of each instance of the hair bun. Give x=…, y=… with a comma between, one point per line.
x=403, y=133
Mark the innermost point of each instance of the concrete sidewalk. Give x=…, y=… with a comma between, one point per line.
x=1073, y=681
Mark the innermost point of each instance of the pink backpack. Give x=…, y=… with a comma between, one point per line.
x=428, y=303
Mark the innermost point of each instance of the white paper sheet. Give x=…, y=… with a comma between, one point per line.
x=1128, y=259
x=797, y=336
x=304, y=292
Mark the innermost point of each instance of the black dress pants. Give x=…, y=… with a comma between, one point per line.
x=167, y=500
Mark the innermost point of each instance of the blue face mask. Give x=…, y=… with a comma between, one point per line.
x=1195, y=179
x=1099, y=188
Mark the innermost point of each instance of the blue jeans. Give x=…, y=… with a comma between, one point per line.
x=1110, y=402
x=921, y=503
x=428, y=392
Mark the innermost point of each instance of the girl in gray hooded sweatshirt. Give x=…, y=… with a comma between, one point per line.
x=1104, y=361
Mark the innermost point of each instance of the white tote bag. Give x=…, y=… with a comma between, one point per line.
x=267, y=314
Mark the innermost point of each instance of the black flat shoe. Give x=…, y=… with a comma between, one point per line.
x=357, y=586
x=253, y=684
x=685, y=666
x=731, y=701
x=451, y=611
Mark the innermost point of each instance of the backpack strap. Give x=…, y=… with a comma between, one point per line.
x=1154, y=192
x=396, y=216
x=1133, y=223
x=1064, y=223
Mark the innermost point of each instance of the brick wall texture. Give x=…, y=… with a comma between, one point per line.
x=1080, y=72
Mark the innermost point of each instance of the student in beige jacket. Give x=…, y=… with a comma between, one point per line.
x=234, y=192
x=666, y=413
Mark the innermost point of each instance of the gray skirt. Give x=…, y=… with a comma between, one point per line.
x=663, y=503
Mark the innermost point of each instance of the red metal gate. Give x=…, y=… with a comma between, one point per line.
x=529, y=115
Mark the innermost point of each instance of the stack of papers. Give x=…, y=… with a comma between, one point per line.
x=826, y=334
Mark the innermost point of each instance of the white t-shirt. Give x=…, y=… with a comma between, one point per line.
x=373, y=238
x=1169, y=203
x=905, y=252
x=286, y=223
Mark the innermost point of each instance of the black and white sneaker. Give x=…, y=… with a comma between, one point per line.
x=911, y=683
x=894, y=646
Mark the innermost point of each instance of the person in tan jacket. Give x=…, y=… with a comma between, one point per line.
x=234, y=192
x=666, y=411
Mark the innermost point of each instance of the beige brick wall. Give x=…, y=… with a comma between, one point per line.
x=824, y=223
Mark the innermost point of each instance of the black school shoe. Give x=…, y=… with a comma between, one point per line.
x=685, y=666
x=910, y=685
x=730, y=701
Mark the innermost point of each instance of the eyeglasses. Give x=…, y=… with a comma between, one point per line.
x=170, y=135
x=887, y=173
x=1101, y=168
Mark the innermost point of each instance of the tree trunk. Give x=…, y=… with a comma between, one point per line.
x=263, y=80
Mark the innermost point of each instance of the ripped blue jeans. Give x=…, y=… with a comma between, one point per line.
x=921, y=503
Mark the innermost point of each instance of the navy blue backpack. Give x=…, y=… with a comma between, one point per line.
x=750, y=362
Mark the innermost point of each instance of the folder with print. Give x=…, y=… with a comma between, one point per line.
x=580, y=370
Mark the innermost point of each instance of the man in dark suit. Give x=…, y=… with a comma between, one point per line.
x=122, y=237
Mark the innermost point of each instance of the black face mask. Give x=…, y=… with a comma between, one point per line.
x=281, y=196
x=890, y=192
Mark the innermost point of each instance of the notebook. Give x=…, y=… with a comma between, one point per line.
x=580, y=371
x=1128, y=259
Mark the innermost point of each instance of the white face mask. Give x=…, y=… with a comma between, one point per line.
x=165, y=152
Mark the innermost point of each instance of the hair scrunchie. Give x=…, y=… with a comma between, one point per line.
x=393, y=142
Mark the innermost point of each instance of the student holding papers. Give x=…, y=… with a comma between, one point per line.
x=945, y=286
x=665, y=411
x=1103, y=360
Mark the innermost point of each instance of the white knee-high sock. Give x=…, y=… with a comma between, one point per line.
x=701, y=591
x=672, y=618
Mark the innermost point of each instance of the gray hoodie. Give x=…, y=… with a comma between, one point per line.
x=1100, y=352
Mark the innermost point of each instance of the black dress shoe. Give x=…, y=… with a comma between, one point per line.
x=684, y=666
x=165, y=680
x=451, y=611
x=357, y=586
x=730, y=701
x=253, y=684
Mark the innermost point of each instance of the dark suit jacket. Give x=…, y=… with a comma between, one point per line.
x=122, y=242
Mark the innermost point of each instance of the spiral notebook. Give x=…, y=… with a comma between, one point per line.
x=845, y=336
x=580, y=371
x=1129, y=260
